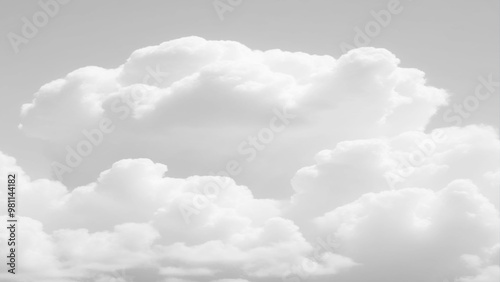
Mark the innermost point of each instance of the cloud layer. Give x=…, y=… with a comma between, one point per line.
x=204, y=103
x=328, y=174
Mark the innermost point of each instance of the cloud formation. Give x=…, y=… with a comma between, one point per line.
x=382, y=198
x=191, y=97
x=132, y=217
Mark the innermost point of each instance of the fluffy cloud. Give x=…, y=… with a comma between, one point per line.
x=490, y=273
x=132, y=217
x=218, y=80
x=236, y=231
x=76, y=255
x=416, y=234
x=395, y=203
x=190, y=97
x=411, y=159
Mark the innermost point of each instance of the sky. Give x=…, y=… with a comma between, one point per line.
x=302, y=138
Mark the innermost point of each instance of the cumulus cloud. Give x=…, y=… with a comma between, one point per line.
x=415, y=234
x=411, y=159
x=132, y=218
x=218, y=78
x=394, y=202
x=190, y=97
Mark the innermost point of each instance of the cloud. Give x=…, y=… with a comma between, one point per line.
x=411, y=159
x=401, y=204
x=131, y=218
x=237, y=231
x=486, y=267
x=490, y=273
x=403, y=234
x=192, y=97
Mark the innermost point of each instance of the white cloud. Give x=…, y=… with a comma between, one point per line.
x=404, y=234
x=195, y=104
x=130, y=218
x=208, y=97
x=489, y=274
x=411, y=159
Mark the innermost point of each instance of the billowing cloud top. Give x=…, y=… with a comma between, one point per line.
x=191, y=82
x=365, y=192
x=192, y=97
